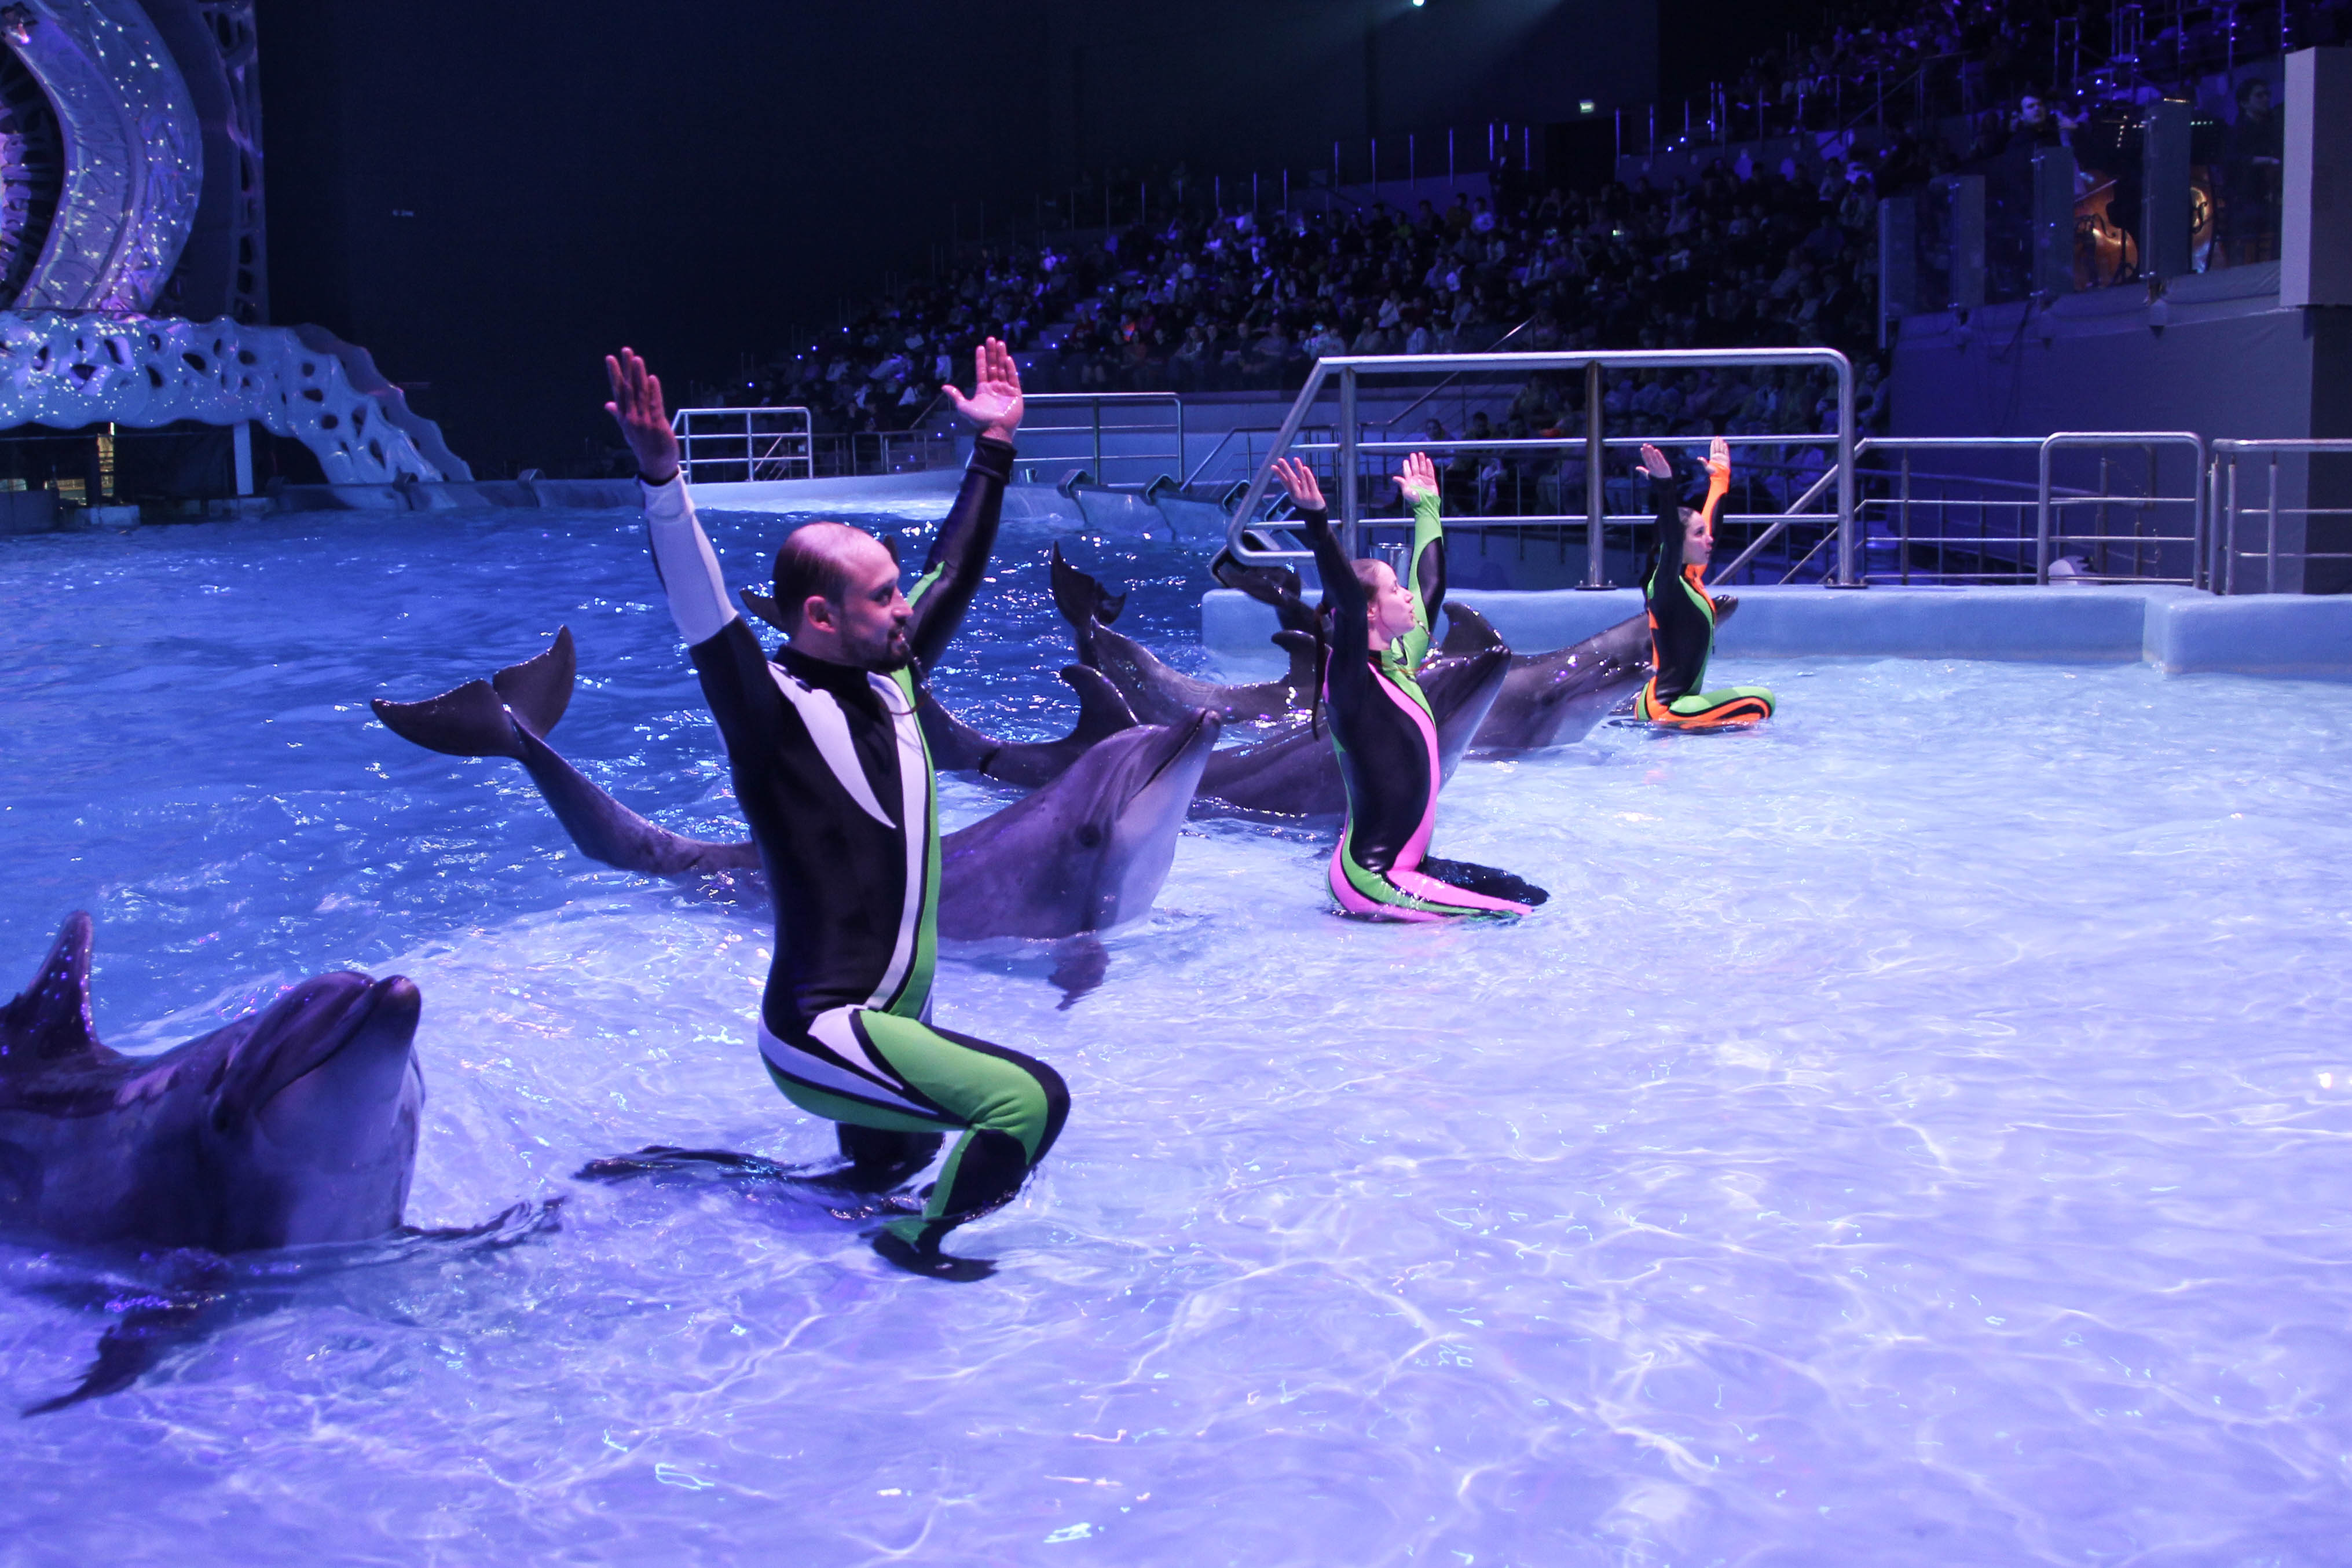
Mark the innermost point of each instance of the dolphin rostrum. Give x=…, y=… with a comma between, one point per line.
x=1157, y=694
x=1086, y=852
x=291, y=1126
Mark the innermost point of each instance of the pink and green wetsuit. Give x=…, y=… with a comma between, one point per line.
x=1387, y=739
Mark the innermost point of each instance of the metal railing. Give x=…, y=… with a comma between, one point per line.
x=2218, y=563
x=1079, y=444
x=1350, y=449
x=2017, y=522
x=724, y=446
x=2104, y=506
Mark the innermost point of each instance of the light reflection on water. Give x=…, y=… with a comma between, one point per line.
x=1914, y=1133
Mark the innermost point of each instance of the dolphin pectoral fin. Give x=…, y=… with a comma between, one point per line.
x=1102, y=711
x=1467, y=631
x=49, y=1021
x=539, y=689
x=655, y=1158
x=469, y=721
x=131, y=1347
x=1079, y=964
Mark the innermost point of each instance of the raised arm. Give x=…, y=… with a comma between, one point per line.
x=1670, y=514
x=726, y=657
x=1426, y=582
x=1350, y=634
x=957, y=560
x=683, y=558
x=1718, y=480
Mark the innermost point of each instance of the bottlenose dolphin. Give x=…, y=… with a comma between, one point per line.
x=1555, y=699
x=1087, y=851
x=1157, y=694
x=291, y=1126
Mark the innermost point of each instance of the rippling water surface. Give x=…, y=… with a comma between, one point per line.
x=1915, y=1132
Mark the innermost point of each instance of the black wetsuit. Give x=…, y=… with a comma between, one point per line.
x=1682, y=637
x=831, y=771
x=1386, y=738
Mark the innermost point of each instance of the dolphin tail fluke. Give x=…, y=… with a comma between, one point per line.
x=1467, y=631
x=1080, y=597
x=539, y=689
x=470, y=721
x=49, y=1019
x=1101, y=710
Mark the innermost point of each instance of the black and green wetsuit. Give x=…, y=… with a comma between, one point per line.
x=1387, y=739
x=831, y=771
x=1682, y=638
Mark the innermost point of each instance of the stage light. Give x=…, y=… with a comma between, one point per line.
x=1417, y=4
x=1585, y=106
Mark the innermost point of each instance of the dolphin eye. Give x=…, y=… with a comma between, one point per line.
x=1089, y=836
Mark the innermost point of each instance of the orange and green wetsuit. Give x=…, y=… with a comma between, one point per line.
x=1682, y=632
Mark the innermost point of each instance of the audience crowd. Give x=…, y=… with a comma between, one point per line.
x=1731, y=255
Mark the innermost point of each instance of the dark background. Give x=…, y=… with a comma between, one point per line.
x=490, y=195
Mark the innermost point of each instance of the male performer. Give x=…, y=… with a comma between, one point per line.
x=831, y=771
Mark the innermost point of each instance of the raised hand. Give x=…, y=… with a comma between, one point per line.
x=995, y=402
x=1718, y=464
x=1419, y=479
x=1655, y=461
x=1296, y=478
x=636, y=405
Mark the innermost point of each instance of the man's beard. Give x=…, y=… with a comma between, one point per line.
x=895, y=654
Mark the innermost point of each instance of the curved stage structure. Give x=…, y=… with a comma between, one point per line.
x=130, y=184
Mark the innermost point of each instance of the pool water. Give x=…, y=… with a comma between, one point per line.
x=1920, y=1130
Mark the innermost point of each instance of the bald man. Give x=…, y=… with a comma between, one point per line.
x=832, y=773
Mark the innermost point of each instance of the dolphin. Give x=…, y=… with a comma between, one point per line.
x=1295, y=773
x=291, y=1126
x=1090, y=850
x=1157, y=694
x=1555, y=699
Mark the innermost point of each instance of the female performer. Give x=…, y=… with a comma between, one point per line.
x=1381, y=724
x=1681, y=618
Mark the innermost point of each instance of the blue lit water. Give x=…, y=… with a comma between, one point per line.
x=1916, y=1132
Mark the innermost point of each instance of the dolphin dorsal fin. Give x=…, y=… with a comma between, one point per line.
x=1467, y=631
x=1079, y=596
x=539, y=689
x=49, y=1021
x=1101, y=710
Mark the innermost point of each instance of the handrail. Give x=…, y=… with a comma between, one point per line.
x=778, y=452
x=2222, y=575
x=2147, y=439
x=1347, y=368
x=1094, y=402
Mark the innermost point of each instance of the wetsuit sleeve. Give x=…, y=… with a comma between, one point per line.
x=735, y=681
x=959, y=551
x=1351, y=637
x=684, y=561
x=1668, y=499
x=1427, y=583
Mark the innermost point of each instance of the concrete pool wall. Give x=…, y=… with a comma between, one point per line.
x=2179, y=630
